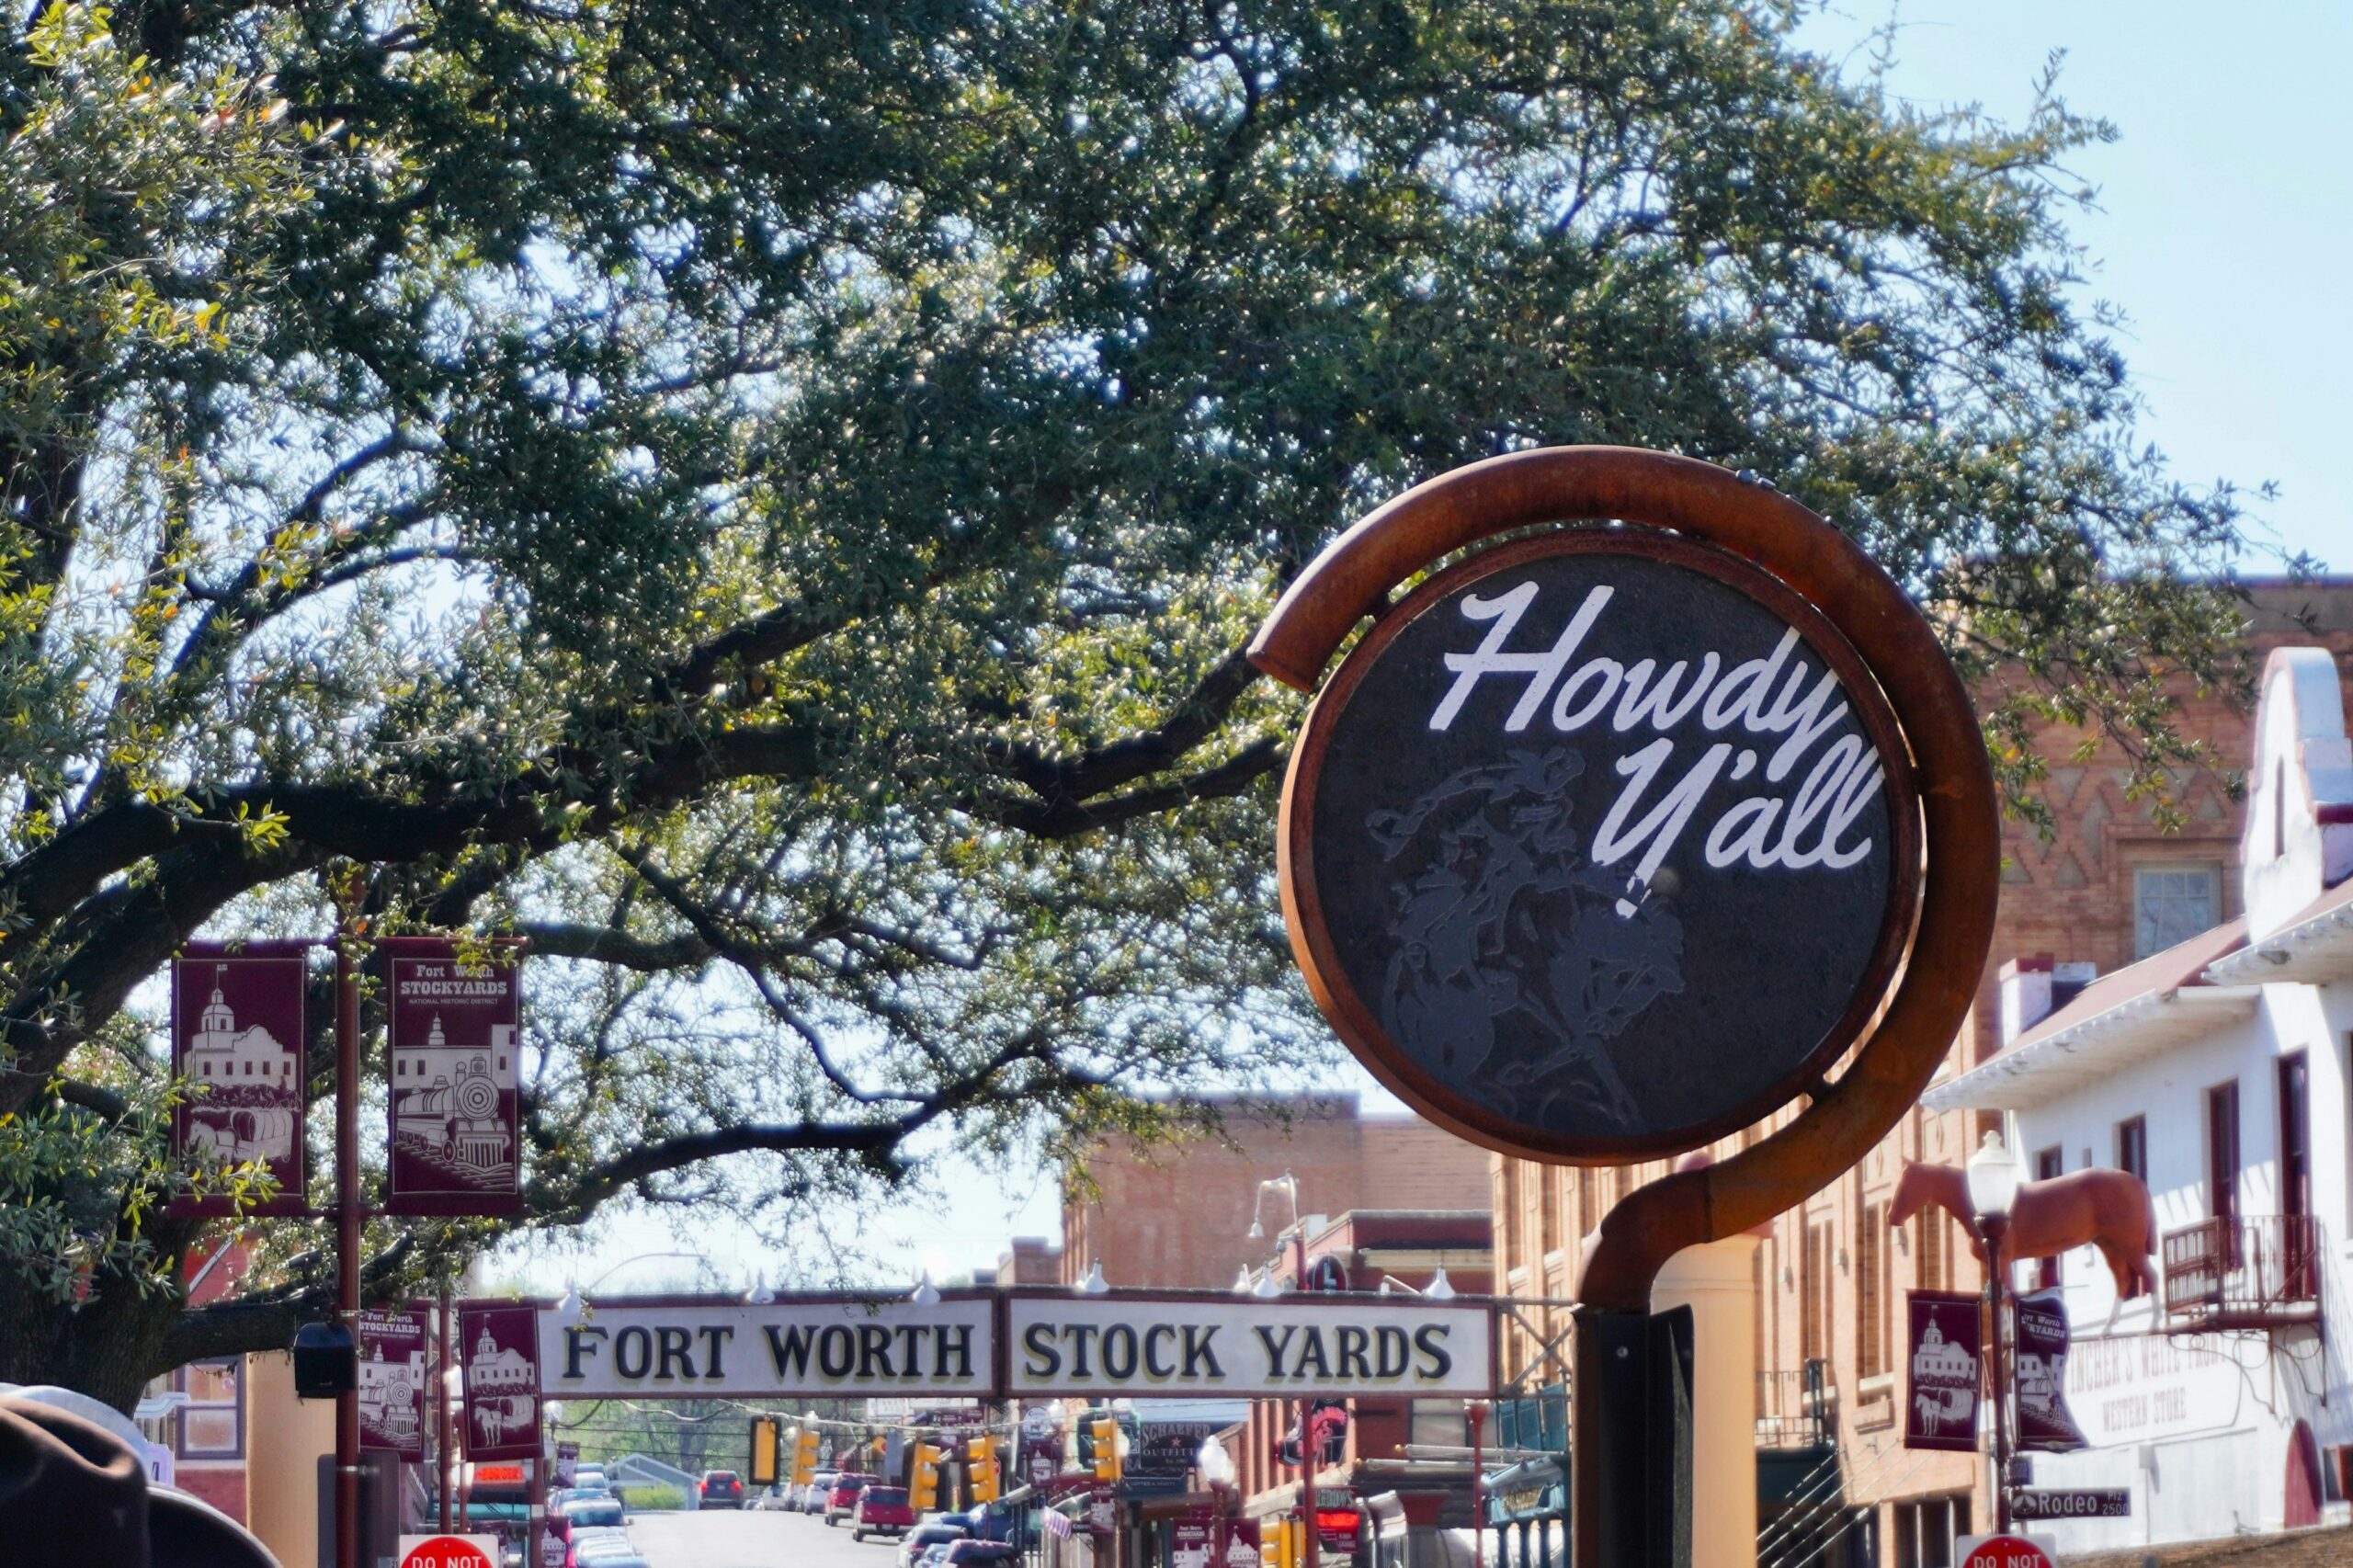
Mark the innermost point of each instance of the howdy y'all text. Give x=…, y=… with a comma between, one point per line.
x=1774, y=699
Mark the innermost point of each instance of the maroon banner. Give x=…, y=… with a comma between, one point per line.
x=1240, y=1546
x=2038, y=1373
x=502, y=1374
x=455, y=1056
x=392, y=1383
x=1192, y=1539
x=1945, y=1345
x=237, y=1045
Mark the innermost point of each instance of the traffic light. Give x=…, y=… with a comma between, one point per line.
x=980, y=1463
x=1289, y=1544
x=923, y=1486
x=1106, y=1432
x=804, y=1458
x=768, y=1436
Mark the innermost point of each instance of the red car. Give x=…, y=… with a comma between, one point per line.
x=721, y=1489
x=880, y=1510
x=844, y=1497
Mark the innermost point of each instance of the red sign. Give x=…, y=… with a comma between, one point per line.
x=456, y=1056
x=237, y=1050
x=2005, y=1551
x=392, y=1382
x=450, y=1552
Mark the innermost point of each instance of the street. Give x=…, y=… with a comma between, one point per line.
x=754, y=1539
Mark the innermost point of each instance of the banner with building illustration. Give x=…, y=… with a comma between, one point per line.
x=237, y=1046
x=2038, y=1370
x=392, y=1383
x=455, y=1059
x=1944, y=1345
x=500, y=1347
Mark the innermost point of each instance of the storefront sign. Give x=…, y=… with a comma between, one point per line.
x=2038, y=1373
x=832, y=1347
x=392, y=1383
x=1238, y=1347
x=1946, y=1373
x=1160, y=1460
x=2137, y=1388
x=237, y=1050
x=1192, y=1541
x=1593, y=844
x=501, y=1379
x=455, y=1060
x=2116, y=1504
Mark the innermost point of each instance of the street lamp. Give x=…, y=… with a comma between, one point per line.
x=1289, y=1185
x=1993, y=1178
x=1093, y=1284
x=925, y=1293
x=574, y=1305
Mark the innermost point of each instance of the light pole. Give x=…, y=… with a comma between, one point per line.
x=1309, y=1547
x=1993, y=1177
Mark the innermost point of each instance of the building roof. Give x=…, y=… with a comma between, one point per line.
x=2314, y=947
x=2139, y=1011
x=2295, y=1549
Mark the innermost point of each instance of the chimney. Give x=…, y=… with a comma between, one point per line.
x=2034, y=988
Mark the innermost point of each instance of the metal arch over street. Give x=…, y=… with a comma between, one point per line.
x=1019, y=1343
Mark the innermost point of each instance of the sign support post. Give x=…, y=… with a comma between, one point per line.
x=347, y=1218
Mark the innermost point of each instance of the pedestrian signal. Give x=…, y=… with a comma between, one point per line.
x=1106, y=1432
x=768, y=1436
x=923, y=1486
x=980, y=1463
x=805, y=1457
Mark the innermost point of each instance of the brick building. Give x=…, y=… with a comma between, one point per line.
x=1181, y=1216
x=2109, y=886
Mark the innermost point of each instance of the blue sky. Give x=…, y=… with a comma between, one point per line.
x=2221, y=222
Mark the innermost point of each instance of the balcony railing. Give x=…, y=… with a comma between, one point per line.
x=1797, y=1409
x=2261, y=1271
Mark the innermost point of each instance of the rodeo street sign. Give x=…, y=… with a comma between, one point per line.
x=1601, y=845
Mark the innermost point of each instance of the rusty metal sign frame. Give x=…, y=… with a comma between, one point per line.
x=1959, y=844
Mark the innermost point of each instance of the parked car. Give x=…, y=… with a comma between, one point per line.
x=843, y=1495
x=933, y=1555
x=579, y=1513
x=602, y=1547
x=720, y=1489
x=880, y=1510
x=934, y=1533
x=975, y=1553
x=813, y=1496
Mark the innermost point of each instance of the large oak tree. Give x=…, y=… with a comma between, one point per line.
x=764, y=500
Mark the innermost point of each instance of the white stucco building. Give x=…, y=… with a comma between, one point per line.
x=2218, y=1070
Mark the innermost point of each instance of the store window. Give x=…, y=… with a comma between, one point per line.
x=212, y=1421
x=1927, y=1532
x=2173, y=903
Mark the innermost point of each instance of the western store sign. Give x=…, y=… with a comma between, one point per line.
x=987, y=1346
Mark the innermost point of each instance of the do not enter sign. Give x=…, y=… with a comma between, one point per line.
x=449, y=1551
x=2005, y=1551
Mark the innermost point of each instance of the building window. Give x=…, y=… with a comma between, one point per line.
x=2133, y=1148
x=2222, y=1151
x=1549, y=1208
x=1926, y=1533
x=1813, y=1326
x=2173, y=903
x=1588, y=1189
x=2048, y=1163
x=1871, y=1293
x=1511, y=1213
x=211, y=1424
x=1931, y=1259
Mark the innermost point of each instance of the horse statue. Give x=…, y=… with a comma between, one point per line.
x=2109, y=1210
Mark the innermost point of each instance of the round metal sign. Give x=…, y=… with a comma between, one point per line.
x=1600, y=844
